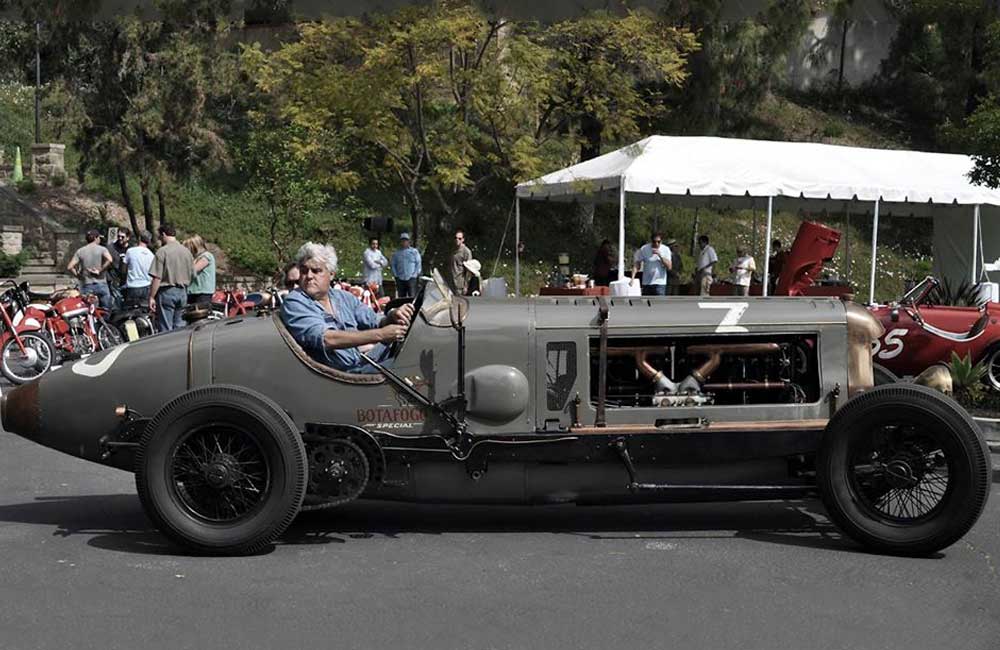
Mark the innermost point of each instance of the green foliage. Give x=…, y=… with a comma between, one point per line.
x=737, y=63
x=10, y=265
x=967, y=378
x=964, y=294
x=446, y=105
x=275, y=176
x=26, y=185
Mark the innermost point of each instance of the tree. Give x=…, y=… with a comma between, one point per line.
x=446, y=104
x=736, y=64
x=274, y=175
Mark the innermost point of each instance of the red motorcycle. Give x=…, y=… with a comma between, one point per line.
x=227, y=303
x=74, y=323
x=26, y=352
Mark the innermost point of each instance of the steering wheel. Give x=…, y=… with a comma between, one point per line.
x=416, y=301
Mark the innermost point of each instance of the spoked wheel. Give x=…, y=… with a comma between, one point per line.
x=904, y=470
x=993, y=369
x=108, y=335
x=221, y=470
x=21, y=366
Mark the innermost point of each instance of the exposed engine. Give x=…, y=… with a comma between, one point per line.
x=698, y=371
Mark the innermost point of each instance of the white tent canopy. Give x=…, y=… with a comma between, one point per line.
x=692, y=171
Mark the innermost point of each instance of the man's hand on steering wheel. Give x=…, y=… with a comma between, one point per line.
x=402, y=315
x=391, y=334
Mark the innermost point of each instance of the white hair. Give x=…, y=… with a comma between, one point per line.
x=323, y=252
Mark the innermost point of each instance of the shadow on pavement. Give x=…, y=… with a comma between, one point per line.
x=117, y=523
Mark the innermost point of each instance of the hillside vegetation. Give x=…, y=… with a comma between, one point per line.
x=237, y=222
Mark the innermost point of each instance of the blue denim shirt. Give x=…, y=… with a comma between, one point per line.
x=406, y=263
x=307, y=321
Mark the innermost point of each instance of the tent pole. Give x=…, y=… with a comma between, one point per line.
x=517, y=246
x=621, y=230
x=975, y=241
x=767, y=247
x=871, y=277
x=847, y=241
x=753, y=247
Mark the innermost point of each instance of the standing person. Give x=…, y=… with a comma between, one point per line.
x=654, y=259
x=459, y=274
x=138, y=260
x=742, y=270
x=172, y=270
x=601, y=272
x=707, y=260
x=776, y=265
x=374, y=262
x=203, y=282
x=118, y=249
x=93, y=261
x=676, y=267
x=290, y=276
x=475, y=277
x=406, y=267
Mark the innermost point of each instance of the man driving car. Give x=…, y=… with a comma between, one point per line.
x=333, y=326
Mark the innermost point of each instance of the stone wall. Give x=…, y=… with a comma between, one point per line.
x=48, y=163
x=11, y=239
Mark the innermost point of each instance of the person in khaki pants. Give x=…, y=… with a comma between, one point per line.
x=703, y=269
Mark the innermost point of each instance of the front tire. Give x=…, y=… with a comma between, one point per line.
x=36, y=359
x=221, y=470
x=903, y=470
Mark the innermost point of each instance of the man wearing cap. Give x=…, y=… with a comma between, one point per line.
x=93, y=261
x=406, y=267
x=676, y=267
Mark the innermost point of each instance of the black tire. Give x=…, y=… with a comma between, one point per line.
x=903, y=469
x=233, y=501
x=13, y=362
x=108, y=335
x=883, y=375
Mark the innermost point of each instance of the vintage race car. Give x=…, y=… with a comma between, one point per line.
x=232, y=429
x=918, y=335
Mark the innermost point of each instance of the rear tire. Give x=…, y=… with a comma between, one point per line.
x=903, y=469
x=221, y=470
x=108, y=335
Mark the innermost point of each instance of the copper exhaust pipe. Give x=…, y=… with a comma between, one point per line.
x=715, y=352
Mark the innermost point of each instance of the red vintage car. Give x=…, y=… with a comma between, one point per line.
x=919, y=335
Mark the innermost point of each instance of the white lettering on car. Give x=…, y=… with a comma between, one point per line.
x=734, y=312
x=85, y=369
x=891, y=345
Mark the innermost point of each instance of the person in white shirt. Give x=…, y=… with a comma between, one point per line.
x=703, y=269
x=138, y=260
x=374, y=262
x=654, y=259
x=742, y=270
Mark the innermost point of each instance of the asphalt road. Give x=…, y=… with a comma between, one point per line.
x=82, y=568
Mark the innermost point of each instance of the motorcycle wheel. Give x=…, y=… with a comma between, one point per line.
x=108, y=335
x=21, y=367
